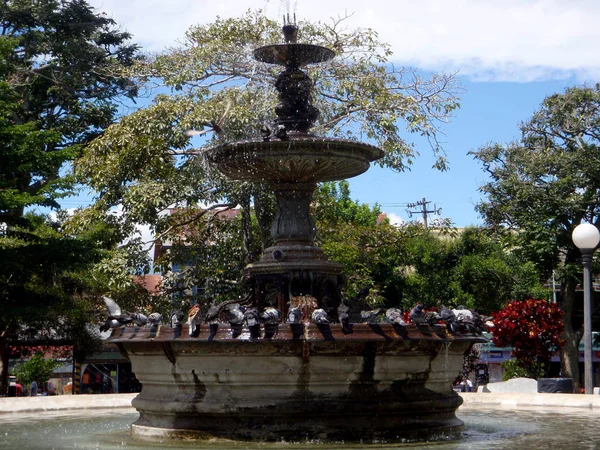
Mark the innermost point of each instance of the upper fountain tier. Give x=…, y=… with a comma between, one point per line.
x=289, y=153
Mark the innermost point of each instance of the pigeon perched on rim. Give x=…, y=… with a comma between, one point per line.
x=251, y=317
x=270, y=316
x=394, y=316
x=194, y=320
x=154, y=319
x=319, y=316
x=139, y=319
x=449, y=318
x=234, y=313
x=294, y=315
x=370, y=316
x=176, y=318
x=420, y=317
x=344, y=316
x=417, y=314
x=116, y=317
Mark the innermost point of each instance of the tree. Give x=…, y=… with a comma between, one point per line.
x=533, y=328
x=61, y=73
x=473, y=268
x=37, y=368
x=146, y=162
x=544, y=185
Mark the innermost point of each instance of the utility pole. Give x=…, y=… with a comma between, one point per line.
x=423, y=209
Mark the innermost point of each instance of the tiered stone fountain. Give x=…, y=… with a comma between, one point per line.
x=295, y=381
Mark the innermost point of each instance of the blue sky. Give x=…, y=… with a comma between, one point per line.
x=509, y=54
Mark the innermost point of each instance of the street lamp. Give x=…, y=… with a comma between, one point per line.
x=586, y=237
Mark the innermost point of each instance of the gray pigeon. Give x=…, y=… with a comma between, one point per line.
x=449, y=318
x=176, y=318
x=319, y=316
x=235, y=314
x=139, y=319
x=116, y=317
x=294, y=315
x=344, y=316
x=154, y=319
x=417, y=314
x=370, y=316
x=251, y=317
x=394, y=316
x=212, y=315
x=270, y=316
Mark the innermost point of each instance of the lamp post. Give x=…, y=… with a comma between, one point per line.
x=586, y=237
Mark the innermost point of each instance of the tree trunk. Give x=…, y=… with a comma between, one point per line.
x=569, y=354
x=4, y=354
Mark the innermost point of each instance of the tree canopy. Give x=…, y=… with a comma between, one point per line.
x=148, y=162
x=61, y=75
x=542, y=186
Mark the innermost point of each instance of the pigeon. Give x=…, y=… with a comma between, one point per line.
x=213, y=312
x=281, y=133
x=449, y=318
x=270, y=316
x=116, y=317
x=344, y=316
x=154, y=319
x=417, y=314
x=432, y=318
x=251, y=317
x=139, y=319
x=235, y=314
x=265, y=133
x=294, y=315
x=319, y=316
x=394, y=316
x=194, y=320
x=176, y=318
x=370, y=316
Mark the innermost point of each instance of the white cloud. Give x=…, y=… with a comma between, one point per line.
x=394, y=219
x=501, y=40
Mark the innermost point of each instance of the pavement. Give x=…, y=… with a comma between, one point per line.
x=10, y=405
x=13, y=405
x=530, y=400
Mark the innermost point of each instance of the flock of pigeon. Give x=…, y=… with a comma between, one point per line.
x=457, y=321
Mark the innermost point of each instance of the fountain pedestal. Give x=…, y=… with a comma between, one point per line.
x=304, y=383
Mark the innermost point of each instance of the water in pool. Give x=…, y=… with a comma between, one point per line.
x=484, y=429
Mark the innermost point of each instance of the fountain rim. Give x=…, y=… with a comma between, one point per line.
x=300, y=56
x=298, y=140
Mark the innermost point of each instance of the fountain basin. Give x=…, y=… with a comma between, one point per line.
x=305, y=159
x=295, y=382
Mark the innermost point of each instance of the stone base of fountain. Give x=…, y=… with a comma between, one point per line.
x=296, y=382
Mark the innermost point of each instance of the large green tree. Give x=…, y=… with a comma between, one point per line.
x=474, y=268
x=542, y=186
x=147, y=162
x=61, y=72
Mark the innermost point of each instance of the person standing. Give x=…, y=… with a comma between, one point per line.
x=33, y=389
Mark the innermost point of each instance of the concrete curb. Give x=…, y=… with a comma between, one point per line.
x=10, y=405
x=523, y=400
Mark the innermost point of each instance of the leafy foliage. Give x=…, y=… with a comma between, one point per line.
x=147, y=163
x=61, y=73
x=542, y=186
x=36, y=368
x=533, y=328
x=473, y=268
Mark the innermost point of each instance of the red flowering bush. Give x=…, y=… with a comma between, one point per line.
x=533, y=328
